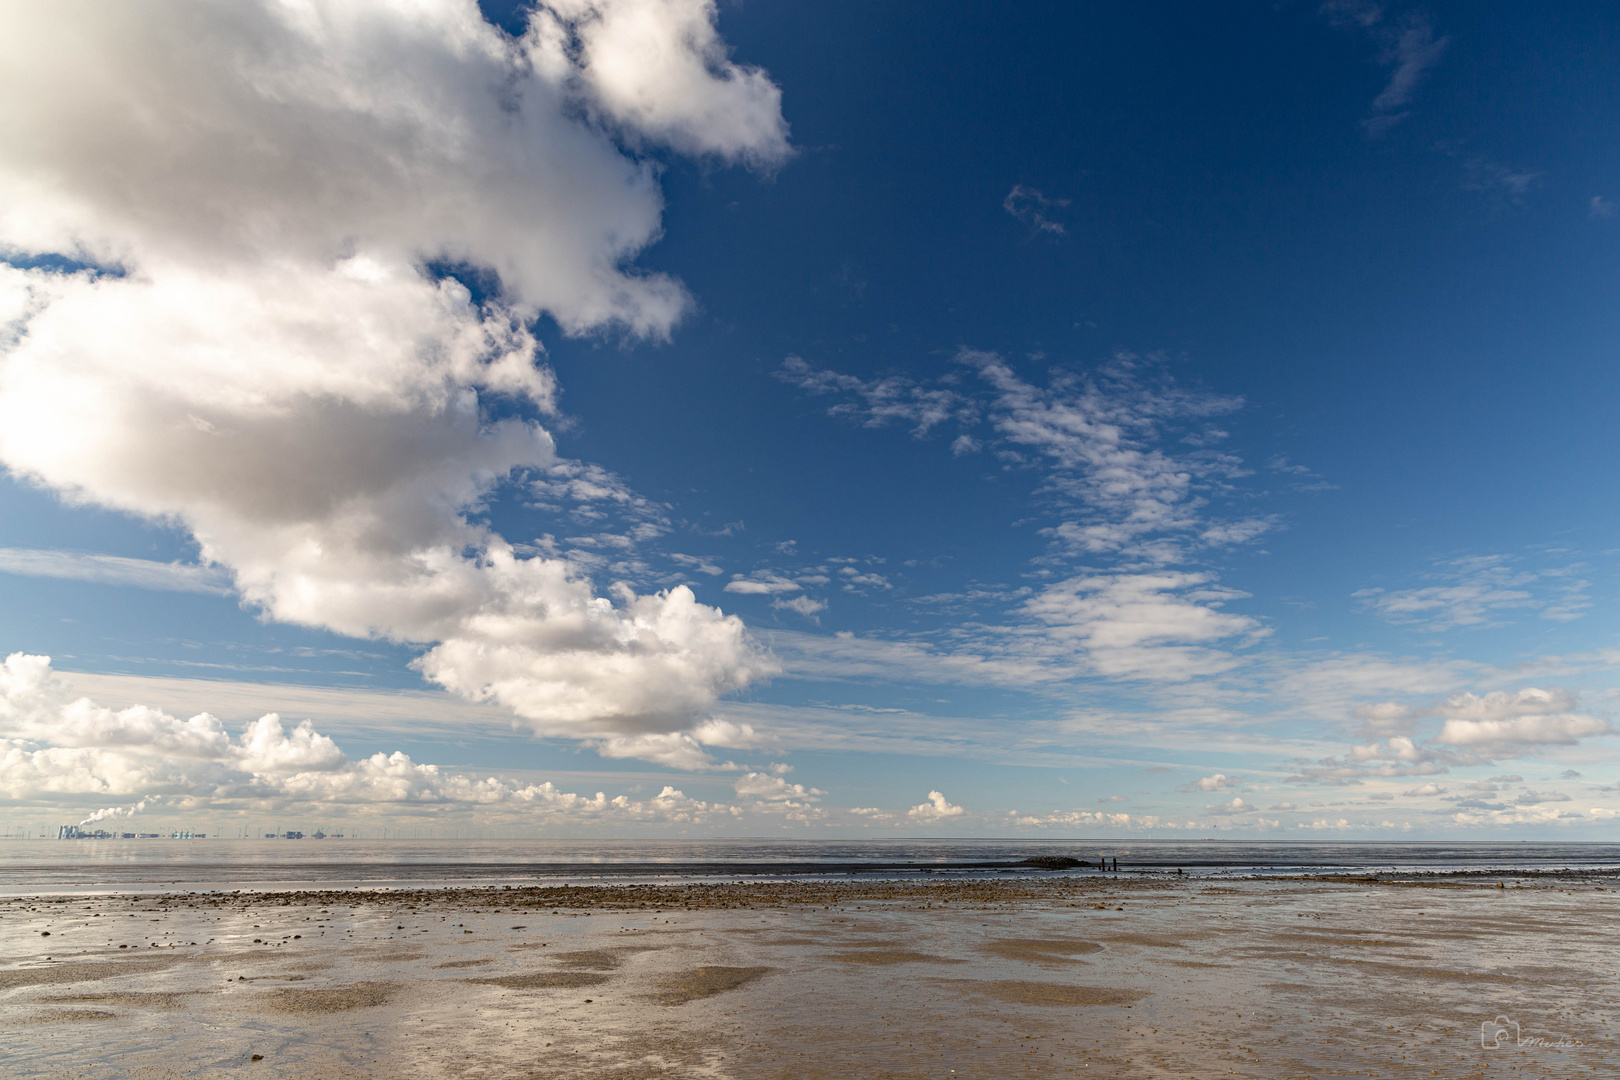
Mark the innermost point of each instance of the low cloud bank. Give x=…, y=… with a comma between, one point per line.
x=64, y=750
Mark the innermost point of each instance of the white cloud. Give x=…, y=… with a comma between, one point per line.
x=737, y=736
x=1538, y=798
x=659, y=68
x=1148, y=626
x=1386, y=718
x=802, y=605
x=1217, y=782
x=1500, y=705
x=1499, y=724
x=881, y=401
x=1396, y=748
x=701, y=563
x=597, y=498
x=1500, y=184
x=1073, y=818
x=775, y=789
x=1162, y=627
x=1479, y=589
x=273, y=367
x=1409, y=48
x=1233, y=806
x=846, y=656
x=257, y=132
x=1361, y=13
x=1096, y=436
x=853, y=580
x=684, y=749
x=1396, y=756
x=1413, y=50
x=677, y=749
x=1424, y=791
x=114, y=570
x=58, y=749
x=937, y=808
x=375, y=713
x=1035, y=210
x=1223, y=533
x=1329, y=686
x=1477, y=729
x=1326, y=825
x=761, y=585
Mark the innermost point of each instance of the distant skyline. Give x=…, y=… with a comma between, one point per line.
x=642, y=417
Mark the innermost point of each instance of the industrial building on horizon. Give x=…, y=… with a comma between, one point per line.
x=74, y=832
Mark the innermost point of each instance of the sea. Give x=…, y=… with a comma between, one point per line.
x=41, y=867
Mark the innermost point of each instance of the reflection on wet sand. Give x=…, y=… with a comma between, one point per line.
x=1035, y=977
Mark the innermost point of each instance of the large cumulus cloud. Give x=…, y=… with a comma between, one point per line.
x=218, y=309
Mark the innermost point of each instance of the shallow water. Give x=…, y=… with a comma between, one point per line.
x=936, y=978
x=35, y=866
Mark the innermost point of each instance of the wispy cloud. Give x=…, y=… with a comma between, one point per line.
x=1475, y=593
x=1160, y=627
x=115, y=570
x=1164, y=627
x=877, y=402
x=1035, y=210
x=1302, y=477
x=1411, y=50
x=1099, y=437
x=1499, y=182
x=1407, y=46
x=1126, y=491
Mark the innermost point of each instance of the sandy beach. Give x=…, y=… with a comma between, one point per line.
x=1038, y=976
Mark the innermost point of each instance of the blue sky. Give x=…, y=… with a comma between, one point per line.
x=1066, y=420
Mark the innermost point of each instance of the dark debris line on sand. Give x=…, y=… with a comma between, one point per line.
x=697, y=897
x=746, y=895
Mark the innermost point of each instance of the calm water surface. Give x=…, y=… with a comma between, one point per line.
x=38, y=866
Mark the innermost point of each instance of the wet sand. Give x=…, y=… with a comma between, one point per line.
x=1034, y=976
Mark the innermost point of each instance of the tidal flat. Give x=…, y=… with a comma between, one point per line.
x=1469, y=975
